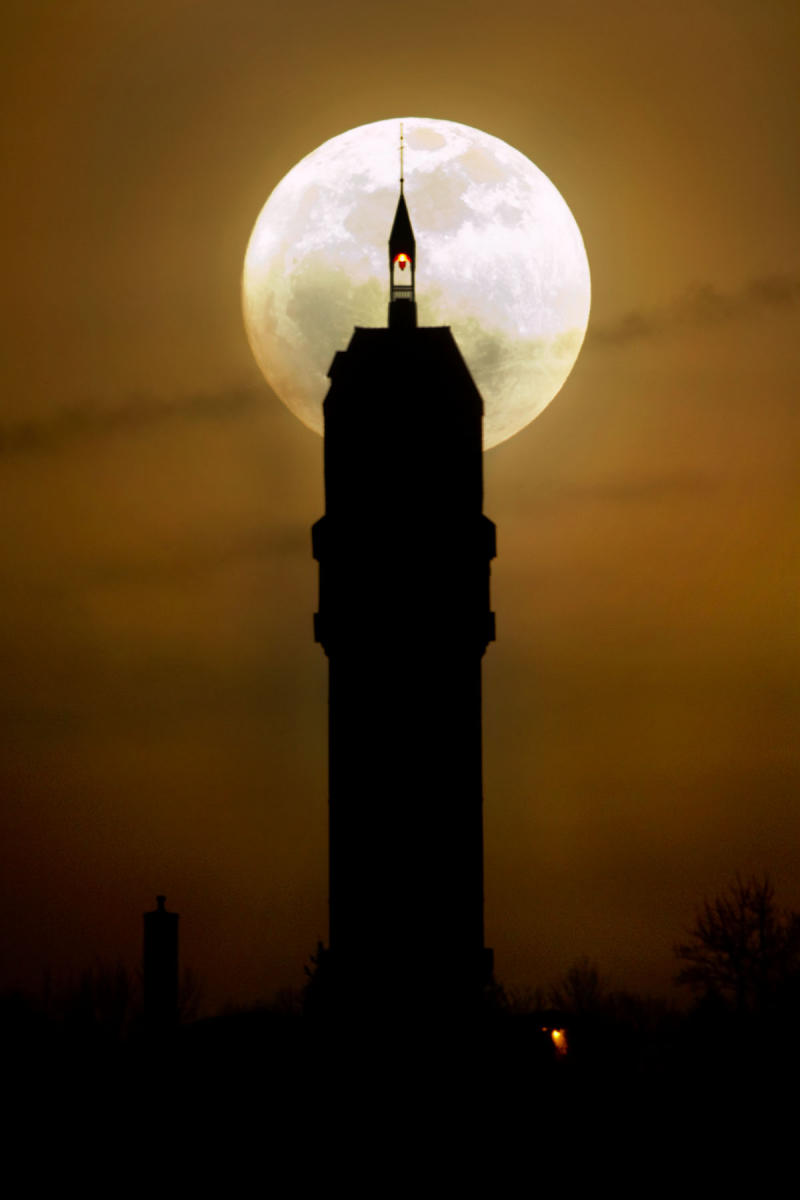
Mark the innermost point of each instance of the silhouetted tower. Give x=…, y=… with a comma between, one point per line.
x=404, y=618
x=160, y=968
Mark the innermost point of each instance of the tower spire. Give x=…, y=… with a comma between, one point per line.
x=402, y=260
x=402, y=181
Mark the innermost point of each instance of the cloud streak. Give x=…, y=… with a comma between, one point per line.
x=199, y=559
x=93, y=419
x=702, y=305
x=656, y=489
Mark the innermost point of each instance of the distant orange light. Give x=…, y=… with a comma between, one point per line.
x=559, y=1039
x=402, y=260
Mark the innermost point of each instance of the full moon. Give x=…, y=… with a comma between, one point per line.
x=500, y=259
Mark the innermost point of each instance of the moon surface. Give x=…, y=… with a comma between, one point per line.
x=500, y=259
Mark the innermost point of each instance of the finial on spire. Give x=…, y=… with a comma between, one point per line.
x=402, y=180
x=402, y=255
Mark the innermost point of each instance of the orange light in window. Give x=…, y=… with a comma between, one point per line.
x=402, y=260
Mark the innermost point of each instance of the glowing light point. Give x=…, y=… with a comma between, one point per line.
x=559, y=1039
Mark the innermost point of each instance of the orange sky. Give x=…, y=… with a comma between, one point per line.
x=163, y=700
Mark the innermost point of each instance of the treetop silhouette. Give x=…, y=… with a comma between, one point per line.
x=742, y=947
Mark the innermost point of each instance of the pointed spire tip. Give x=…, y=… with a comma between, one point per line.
x=402, y=147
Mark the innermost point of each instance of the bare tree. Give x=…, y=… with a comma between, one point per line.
x=581, y=990
x=742, y=946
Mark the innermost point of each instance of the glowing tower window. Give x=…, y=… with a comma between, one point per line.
x=401, y=271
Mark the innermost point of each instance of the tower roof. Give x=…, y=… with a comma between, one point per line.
x=402, y=236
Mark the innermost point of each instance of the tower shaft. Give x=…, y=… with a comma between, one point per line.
x=404, y=618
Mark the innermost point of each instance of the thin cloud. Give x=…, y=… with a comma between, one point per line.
x=93, y=419
x=683, y=483
x=189, y=561
x=703, y=304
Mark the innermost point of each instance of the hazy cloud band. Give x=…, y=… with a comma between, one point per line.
x=703, y=304
x=93, y=419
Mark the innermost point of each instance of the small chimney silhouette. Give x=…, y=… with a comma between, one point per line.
x=160, y=968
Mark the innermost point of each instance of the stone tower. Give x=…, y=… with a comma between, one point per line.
x=404, y=618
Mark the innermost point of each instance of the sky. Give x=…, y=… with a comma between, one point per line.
x=163, y=702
